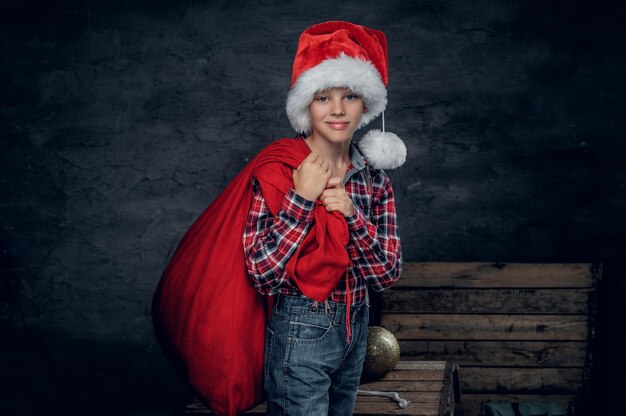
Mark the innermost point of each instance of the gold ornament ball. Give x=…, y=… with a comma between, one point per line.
x=383, y=352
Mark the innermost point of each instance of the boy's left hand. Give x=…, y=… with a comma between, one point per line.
x=335, y=197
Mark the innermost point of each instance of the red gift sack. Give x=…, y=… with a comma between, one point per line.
x=208, y=318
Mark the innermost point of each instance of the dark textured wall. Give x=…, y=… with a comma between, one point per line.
x=121, y=121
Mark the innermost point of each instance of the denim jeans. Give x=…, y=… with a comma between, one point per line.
x=310, y=367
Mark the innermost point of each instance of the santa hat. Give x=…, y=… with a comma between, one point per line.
x=342, y=54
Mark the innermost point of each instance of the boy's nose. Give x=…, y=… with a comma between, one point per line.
x=337, y=107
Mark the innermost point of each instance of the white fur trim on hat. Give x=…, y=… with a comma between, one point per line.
x=356, y=74
x=383, y=150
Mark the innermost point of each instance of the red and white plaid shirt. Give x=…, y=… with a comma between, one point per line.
x=374, y=246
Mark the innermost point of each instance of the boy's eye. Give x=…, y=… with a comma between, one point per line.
x=351, y=97
x=322, y=98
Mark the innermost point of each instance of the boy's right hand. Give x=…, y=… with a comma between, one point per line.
x=311, y=177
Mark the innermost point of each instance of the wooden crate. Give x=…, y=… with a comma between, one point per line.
x=431, y=387
x=518, y=331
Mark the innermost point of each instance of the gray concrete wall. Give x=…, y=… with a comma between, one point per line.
x=122, y=121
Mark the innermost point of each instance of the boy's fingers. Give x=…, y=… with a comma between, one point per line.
x=311, y=157
x=334, y=181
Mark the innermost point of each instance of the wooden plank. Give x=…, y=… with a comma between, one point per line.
x=415, y=409
x=197, y=408
x=518, y=380
x=487, y=327
x=413, y=375
x=471, y=404
x=402, y=385
x=498, y=353
x=511, y=301
x=497, y=275
x=413, y=397
x=420, y=365
x=259, y=410
x=451, y=392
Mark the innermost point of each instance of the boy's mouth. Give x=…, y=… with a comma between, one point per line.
x=337, y=125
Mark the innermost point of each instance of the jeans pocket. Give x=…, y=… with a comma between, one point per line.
x=309, y=327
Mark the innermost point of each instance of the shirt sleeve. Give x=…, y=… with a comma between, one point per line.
x=269, y=242
x=377, y=239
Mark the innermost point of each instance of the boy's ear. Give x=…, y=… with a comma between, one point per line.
x=365, y=110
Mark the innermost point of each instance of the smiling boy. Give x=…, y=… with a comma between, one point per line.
x=317, y=247
x=318, y=221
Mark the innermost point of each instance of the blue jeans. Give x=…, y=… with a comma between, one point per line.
x=310, y=367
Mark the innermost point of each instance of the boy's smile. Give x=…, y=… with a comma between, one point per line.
x=338, y=125
x=335, y=114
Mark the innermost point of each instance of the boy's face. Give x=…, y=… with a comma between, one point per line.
x=336, y=114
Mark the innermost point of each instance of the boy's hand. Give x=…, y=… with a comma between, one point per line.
x=311, y=177
x=335, y=198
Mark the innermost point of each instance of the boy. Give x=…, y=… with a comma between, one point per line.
x=331, y=233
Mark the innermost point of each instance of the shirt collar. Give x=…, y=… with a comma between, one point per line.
x=356, y=157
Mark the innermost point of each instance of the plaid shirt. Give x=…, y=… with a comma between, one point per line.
x=374, y=246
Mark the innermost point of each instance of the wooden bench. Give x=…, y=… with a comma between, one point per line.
x=431, y=387
x=519, y=332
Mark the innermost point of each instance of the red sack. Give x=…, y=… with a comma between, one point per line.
x=208, y=318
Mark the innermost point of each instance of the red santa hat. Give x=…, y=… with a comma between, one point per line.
x=342, y=54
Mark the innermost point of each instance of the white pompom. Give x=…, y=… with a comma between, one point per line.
x=383, y=150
